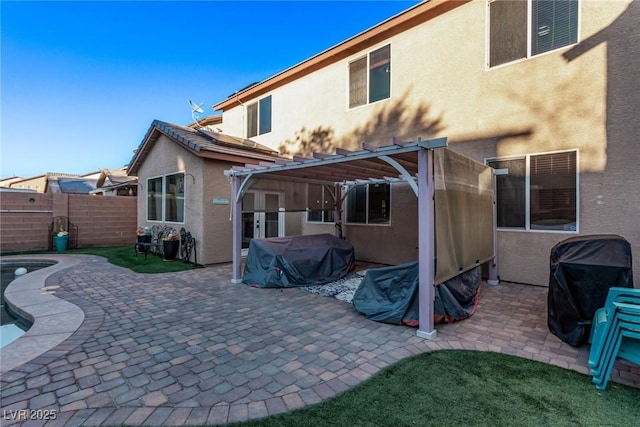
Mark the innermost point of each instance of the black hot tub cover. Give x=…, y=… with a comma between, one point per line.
x=282, y=262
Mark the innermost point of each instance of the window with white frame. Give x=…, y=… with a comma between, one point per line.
x=524, y=28
x=259, y=117
x=370, y=77
x=165, y=198
x=369, y=204
x=540, y=191
x=320, y=201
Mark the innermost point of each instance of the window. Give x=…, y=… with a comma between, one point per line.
x=523, y=28
x=369, y=204
x=259, y=117
x=154, y=199
x=320, y=203
x=174, y=198
x=540, y=192
x=370, y=77
x=165, y=198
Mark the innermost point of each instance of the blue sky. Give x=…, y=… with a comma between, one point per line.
x=82, y=81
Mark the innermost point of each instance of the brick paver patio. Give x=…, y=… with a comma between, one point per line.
x=192, y=348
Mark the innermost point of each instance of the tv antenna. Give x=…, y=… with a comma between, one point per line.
x=195, y=109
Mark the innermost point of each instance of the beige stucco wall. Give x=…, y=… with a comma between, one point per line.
x=583, y=97
x=395, y=243
x=217, y=241
x=167, y=157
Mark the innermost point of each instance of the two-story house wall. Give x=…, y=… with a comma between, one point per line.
x=545, y=89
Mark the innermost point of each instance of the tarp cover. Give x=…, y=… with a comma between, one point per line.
x=583, y=268
x=282, y=262
x=390, y=295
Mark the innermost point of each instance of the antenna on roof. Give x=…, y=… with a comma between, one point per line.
x=195, y=109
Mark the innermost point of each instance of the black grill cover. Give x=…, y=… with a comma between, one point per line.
x=282, y=262
x=583, y=268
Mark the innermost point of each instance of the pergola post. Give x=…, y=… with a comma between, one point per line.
x=493, y=264
x=236, y=225
x=426, y=244
x=337, y=215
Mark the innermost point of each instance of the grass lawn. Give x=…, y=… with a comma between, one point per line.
x=125, y=256
x=470, y=388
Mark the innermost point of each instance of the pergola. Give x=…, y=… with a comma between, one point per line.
x=410, y=162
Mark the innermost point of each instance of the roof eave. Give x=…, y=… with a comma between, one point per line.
x=156, y=129
x=396, y=24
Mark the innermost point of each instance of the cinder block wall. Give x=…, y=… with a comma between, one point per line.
x=24, y=221
x=102, y=221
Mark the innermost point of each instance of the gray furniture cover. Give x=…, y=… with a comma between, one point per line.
x=390, y=295
x=282, y=262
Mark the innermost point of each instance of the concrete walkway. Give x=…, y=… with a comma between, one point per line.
x=191, y=348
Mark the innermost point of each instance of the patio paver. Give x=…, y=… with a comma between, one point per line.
x=188, y=348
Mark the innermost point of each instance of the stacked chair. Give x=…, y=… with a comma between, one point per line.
x=615, y=333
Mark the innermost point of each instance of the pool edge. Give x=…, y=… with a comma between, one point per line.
x=26, y=295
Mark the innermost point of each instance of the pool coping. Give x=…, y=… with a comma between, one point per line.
x=54, y=319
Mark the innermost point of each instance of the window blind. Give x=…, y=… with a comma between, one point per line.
x=252, y=120
x=553, y=189
x=507, y=31
x=554, y=23
x=358, y=82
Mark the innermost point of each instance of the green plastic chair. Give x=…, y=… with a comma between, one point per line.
x=616, y=335
x=617, y=294
x=621, y=320
x=627, y=346
x=600, y=337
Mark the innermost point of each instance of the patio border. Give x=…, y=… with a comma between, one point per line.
x=54, y=319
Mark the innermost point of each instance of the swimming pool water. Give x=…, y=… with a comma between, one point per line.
x=13, y=327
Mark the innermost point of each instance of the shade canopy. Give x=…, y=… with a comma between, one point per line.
x=409, y=162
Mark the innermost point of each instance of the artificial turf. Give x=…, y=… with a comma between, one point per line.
x=470, y=388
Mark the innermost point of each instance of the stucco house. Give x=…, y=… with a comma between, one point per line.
x=547, y=90
x=181, y=181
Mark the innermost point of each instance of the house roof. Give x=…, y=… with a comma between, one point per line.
x=216, y=119
x=411, y=17
x=69, y=184
x=109, y=177
x=202, y=143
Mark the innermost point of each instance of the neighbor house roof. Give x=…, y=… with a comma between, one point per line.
x=202, y=143
x=109, y=177
x=69, y=184
x=396, y=24
x=6, y=182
